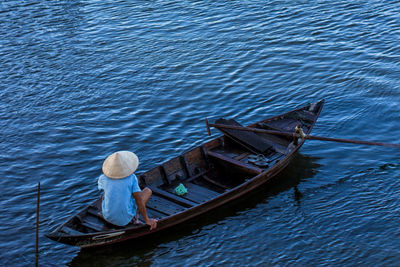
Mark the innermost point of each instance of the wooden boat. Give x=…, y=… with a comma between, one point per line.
x=215, y=173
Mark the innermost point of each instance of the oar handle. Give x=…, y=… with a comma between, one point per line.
x=298, y=135
x=361, y=142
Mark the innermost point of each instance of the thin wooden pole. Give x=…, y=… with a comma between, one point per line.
x=296, y=135
x=37, y=226
x=207, y=126
x=361, y=142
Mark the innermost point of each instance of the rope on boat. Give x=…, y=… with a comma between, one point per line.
x=300, y=132
x=259, y=160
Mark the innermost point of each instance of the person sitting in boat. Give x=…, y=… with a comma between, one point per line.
x=122, y=197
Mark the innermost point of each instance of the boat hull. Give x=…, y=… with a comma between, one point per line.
x=102, y=238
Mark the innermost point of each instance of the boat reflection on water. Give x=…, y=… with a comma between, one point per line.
x=142, y=252
x=302, y=167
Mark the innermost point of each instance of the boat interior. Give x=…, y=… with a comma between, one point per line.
x=207, y=171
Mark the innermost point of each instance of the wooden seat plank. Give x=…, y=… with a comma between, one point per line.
x=165, y=206
x=155, y=214
x=212, y=181
x=172, y=197
x=195, y=193
x=199, y=193
x=209, y=193
x=237, y=163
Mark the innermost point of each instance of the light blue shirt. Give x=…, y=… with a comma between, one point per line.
x=119, y=206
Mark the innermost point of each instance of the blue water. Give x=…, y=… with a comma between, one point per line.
x=82, y=79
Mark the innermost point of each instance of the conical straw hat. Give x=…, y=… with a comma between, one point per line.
x=120, y=164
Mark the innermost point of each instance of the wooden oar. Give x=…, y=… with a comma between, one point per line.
x=297, y=135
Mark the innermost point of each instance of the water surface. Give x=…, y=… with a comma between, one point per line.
x=82, y=79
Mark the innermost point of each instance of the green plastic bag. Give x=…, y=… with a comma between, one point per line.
x=180, y=190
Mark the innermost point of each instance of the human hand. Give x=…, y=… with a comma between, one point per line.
x=152, y=223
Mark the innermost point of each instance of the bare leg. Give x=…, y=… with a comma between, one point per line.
x=146, y=194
